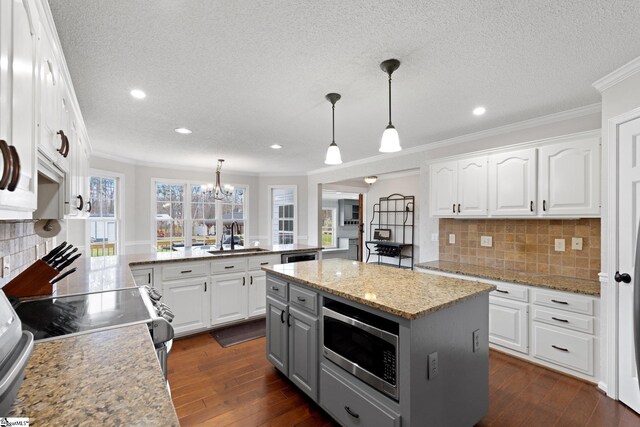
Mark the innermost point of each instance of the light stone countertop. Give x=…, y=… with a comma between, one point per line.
x=559, y=283
x=107, y=378
x=404, y=293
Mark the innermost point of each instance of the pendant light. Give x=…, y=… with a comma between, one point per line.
x=333, y=152
x=390, y=141
x=216, y=190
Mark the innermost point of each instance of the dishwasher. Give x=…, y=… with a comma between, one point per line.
x=299, y=257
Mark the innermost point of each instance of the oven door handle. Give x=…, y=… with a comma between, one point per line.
x=384, y=335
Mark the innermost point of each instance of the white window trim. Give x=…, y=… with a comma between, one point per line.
x=293, y=187
x=335, y=225
x=120, y=244
x=188, y=237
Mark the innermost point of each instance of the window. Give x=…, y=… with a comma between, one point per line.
x=187, y=215
x=283, y=215
x=329, y=216
x=104, y=217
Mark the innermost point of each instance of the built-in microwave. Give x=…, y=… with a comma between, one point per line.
x=363, y=344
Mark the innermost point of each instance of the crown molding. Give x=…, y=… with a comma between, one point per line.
x=627, y=70
x=500, y=130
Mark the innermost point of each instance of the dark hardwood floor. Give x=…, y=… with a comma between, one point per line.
x=236, y=386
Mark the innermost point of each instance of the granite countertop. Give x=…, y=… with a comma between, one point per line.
x=559, y=283
x=96, y=274
x=403, y=293
x=106, y=378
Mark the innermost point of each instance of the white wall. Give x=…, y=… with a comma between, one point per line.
x=416, y=158
x=383, y=187
x=137, y=206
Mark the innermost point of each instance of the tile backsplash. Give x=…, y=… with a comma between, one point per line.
x=19, y=242
x=524, y=245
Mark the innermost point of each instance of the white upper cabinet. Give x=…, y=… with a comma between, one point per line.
x=18, y=46
x=570, y=178
x=443, y=178
x=459, y=188
x=512, y=183
x=552, y=179
x=472, y=186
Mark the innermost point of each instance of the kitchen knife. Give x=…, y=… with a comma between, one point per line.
x=68, y=262
x=54, y=252
x=62, y=276
x=62, y=255
x=59, y=261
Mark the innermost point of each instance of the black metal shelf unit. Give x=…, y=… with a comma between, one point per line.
x=393, y=215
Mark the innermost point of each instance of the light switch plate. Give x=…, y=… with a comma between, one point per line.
x=486, y=241
x=432, y=369
x=476, y=340
x=576, y=243
x=452, y=239
x=559, y=245
x=434, y=237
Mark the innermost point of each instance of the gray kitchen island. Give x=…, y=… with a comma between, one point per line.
x=379, y=346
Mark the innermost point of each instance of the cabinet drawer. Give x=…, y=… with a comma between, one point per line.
x=277, y=287
x=230, y=265
x=563, y=319
x=351, y=406
x=514, y=292
x=178, y=271
x=569, y=349
x=563, y=301
x=257, y=262
x=303, y=298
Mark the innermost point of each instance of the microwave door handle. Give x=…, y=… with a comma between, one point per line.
x=384, y=335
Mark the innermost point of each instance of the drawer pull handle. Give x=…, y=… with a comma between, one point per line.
x=275, y=288
x=301, y=299
x=560, y=320
x=244, y=281
x=531, y=206
x=264, y=263
x=560, y=302
x=559, y=348
x=350, y=412
x=228, y=266
x=501, y=291
x=186, y=271
x=205, y=286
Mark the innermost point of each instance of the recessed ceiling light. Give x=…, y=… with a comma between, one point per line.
x=478, y=111
x=138, y=94
x=276, y=146
x=183, y=131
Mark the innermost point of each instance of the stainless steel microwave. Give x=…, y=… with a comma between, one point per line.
x=363, y=344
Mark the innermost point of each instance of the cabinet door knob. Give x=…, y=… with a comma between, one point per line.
x=15, y=169
x=6, y=158
x=622, y=277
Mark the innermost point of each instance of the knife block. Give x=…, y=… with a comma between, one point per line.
x=32, y=282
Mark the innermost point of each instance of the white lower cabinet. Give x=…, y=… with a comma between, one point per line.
x=228, y=298
x=257, y=293
x=509, y=324
x=188, y=299
x=567, y=348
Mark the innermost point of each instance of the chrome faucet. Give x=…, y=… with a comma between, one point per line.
x=233, y=243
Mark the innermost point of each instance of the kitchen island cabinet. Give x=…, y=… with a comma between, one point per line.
x=444, y=320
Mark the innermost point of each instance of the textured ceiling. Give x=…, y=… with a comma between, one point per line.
x=246, y=74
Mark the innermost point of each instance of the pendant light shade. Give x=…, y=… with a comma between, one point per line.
x=390, y=142
x=333, y=152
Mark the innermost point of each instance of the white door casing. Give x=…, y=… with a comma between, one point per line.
x=628, y=217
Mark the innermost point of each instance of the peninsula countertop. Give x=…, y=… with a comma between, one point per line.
x=559, y=283
x=106, y=378
x=403, y=293
x=97, y=274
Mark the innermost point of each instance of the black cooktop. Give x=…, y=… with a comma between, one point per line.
x=57, y=317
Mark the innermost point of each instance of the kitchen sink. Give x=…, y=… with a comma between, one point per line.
x=237, y=251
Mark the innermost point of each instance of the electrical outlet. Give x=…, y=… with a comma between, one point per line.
x=559, y=245
x=576, y=243
x=6, y=266
x=486, y=241
x=434, y=237
x=432, y=368
x=452, y=239
x=476, y=340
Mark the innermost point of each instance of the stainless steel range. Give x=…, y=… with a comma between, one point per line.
x=60, y=317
